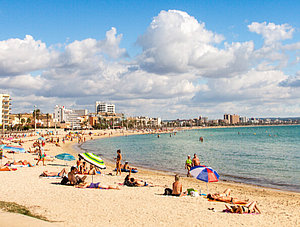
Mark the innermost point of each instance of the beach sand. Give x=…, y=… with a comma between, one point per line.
x=142, y=206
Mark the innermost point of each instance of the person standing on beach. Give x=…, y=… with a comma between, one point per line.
x=118, y=162
x=196, y=161
x=188, y=165
x=42, y=155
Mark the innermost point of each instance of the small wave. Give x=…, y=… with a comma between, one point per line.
x=261, y=182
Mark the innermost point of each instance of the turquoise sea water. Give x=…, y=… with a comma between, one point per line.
x=266, y=156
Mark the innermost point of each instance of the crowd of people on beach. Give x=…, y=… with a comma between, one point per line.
x=77, y=175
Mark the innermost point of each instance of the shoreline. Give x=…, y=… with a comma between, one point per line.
x=77, y=148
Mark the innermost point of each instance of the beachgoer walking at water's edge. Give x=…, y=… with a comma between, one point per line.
x=118, y=162
x=188, y=165
x=195, y=161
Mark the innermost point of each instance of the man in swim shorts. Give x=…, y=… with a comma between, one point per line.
x=73, y=178
x=176, y=188
x=195, y=161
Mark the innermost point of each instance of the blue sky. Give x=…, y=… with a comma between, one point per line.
x=58, y=21
x=58, y=24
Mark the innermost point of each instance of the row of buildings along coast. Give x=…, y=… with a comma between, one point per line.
x=105, y=116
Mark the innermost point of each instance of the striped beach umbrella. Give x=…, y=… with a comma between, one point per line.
x=14, y=148
x=93, y=159
x=204, y=173
x=65, y=157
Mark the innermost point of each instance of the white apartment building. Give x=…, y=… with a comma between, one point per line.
x=4, y=110
x=102, y=107
x=72, y=117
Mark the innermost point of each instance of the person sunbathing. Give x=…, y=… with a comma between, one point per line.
x=96, y=186
x=126, y=166
x=92, y=170
x=73, y=179
x=225, y=197
x=25, y=162
x=176, y=188
x=133, y=182
x=54, y=174
x=83, y=169
x=250, y=207
x=5, y=168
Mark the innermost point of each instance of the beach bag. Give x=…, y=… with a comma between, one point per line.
x=194, y=194
x=64, y=181
x=168, y=191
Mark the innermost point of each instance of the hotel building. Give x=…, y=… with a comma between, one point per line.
x=4, y=110
x=102, y=107
x=231, y=119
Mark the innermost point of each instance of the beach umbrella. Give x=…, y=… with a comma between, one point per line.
x=93, y=159
x=41, y=138
x=14, y=148
x=206, y=174
x=65, y=157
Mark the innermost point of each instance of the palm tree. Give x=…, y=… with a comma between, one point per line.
x=36, y=114
x=22, y=121
x=47, y=115
x=19, y=116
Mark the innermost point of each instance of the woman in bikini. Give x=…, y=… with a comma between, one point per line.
x=54, y=174
x=250, y=207
x=118, y=162
x=225, y=197
x=96, y=186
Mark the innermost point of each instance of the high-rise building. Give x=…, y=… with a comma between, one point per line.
x=231, y=119
x=227, y=118
x=102, y=107
x=234, y=119
x=71, y=117
x=4, y=110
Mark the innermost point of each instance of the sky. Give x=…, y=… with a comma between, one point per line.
x=168, y=59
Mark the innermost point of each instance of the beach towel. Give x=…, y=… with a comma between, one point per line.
x=17, y=166
x=8, y=169
x=50, y=177
x=228, y=211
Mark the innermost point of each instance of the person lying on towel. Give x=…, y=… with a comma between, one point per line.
x=96, y=186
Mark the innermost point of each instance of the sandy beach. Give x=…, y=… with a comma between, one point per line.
x=142, y=206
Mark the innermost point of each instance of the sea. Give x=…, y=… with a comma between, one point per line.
x=267, y=156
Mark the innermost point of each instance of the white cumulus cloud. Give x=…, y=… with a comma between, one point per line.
x=272, y=32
